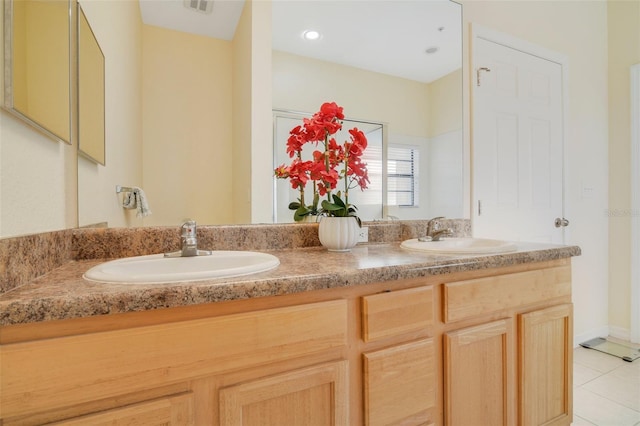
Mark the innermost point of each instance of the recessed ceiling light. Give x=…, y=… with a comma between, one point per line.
x=432, y=50
x=311, y=35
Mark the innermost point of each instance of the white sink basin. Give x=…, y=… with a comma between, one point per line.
x=460, y=246
x=156, y=268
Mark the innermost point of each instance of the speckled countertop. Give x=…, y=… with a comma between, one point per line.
x=62, y=293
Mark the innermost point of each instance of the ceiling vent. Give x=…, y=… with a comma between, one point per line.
x=201, y=6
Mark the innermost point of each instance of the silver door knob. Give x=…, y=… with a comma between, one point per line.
x=561, y=222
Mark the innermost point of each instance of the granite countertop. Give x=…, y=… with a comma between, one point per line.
x=64, y=294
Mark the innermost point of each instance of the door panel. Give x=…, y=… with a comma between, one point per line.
x=517, y=145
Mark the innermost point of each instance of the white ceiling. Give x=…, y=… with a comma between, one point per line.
x=386, y=36
x=172, y=14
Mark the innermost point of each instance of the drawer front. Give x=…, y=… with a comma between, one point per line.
x=470, y=298
x=397, y=312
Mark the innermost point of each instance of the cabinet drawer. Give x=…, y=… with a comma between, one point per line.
x=470, y=298
x=389, y=314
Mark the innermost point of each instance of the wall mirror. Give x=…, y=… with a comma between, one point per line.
x=91, y=124
x=37, y=64
x=186, y=131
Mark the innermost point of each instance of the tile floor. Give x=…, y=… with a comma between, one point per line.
x=606, y=389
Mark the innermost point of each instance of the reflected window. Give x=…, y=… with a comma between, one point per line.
x=403, y=172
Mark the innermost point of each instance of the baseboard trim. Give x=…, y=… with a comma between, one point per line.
x=620, y=333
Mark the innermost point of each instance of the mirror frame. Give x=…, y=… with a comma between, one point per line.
x=102, y=144
x=8, y=100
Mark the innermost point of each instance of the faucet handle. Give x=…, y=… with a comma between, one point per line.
x=189, y=228
x=433, y=225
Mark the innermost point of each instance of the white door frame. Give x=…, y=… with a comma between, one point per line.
x=480, y=32
x=635, y=204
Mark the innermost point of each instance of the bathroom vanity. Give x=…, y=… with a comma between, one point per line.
x=378, y=336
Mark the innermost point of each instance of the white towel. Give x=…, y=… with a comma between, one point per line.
x=136, y=200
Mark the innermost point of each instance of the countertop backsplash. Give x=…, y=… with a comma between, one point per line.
x=25, y=258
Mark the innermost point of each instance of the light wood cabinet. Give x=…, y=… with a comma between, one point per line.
x=499, y=374
x=480, y=347
x=478, y=378
x=400, y=384
x=396, y=312
x=546, y=366
x=171, y=410
x=311, y=396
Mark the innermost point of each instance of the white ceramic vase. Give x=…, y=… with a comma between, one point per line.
x=338, y=233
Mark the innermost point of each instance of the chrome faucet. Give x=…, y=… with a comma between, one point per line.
x=434, y=233
x=189, y=240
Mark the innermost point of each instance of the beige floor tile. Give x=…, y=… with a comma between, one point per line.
x=596, y=360
x=602, y=411
x=579, y=421
x=582, y=374
x=618, y=386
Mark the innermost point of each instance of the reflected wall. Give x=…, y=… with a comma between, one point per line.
x=38, y=85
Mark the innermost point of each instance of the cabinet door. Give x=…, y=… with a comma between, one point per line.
x=312, y=396
x=176, y=410
x=479, y=375
x=399, y=384
x=545, y=358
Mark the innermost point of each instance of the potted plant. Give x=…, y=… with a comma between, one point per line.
x=332, y=171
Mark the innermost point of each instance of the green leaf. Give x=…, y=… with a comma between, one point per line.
x=338, y=201
x=330, y=206
x=300, y=213
x=294, y=205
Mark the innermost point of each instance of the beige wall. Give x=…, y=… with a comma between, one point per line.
x=37, y=178
x=301, y=84
x=187, y=98
x=445, y=104
x=252, y=123
x=624, y=51
x=97, y=200
x=241, y=149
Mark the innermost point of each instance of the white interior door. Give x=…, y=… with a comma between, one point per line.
x=517, y=145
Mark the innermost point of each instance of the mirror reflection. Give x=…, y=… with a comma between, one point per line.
x=90, y=92
x=37, y=71
x=195, y=108
x=402, y=67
